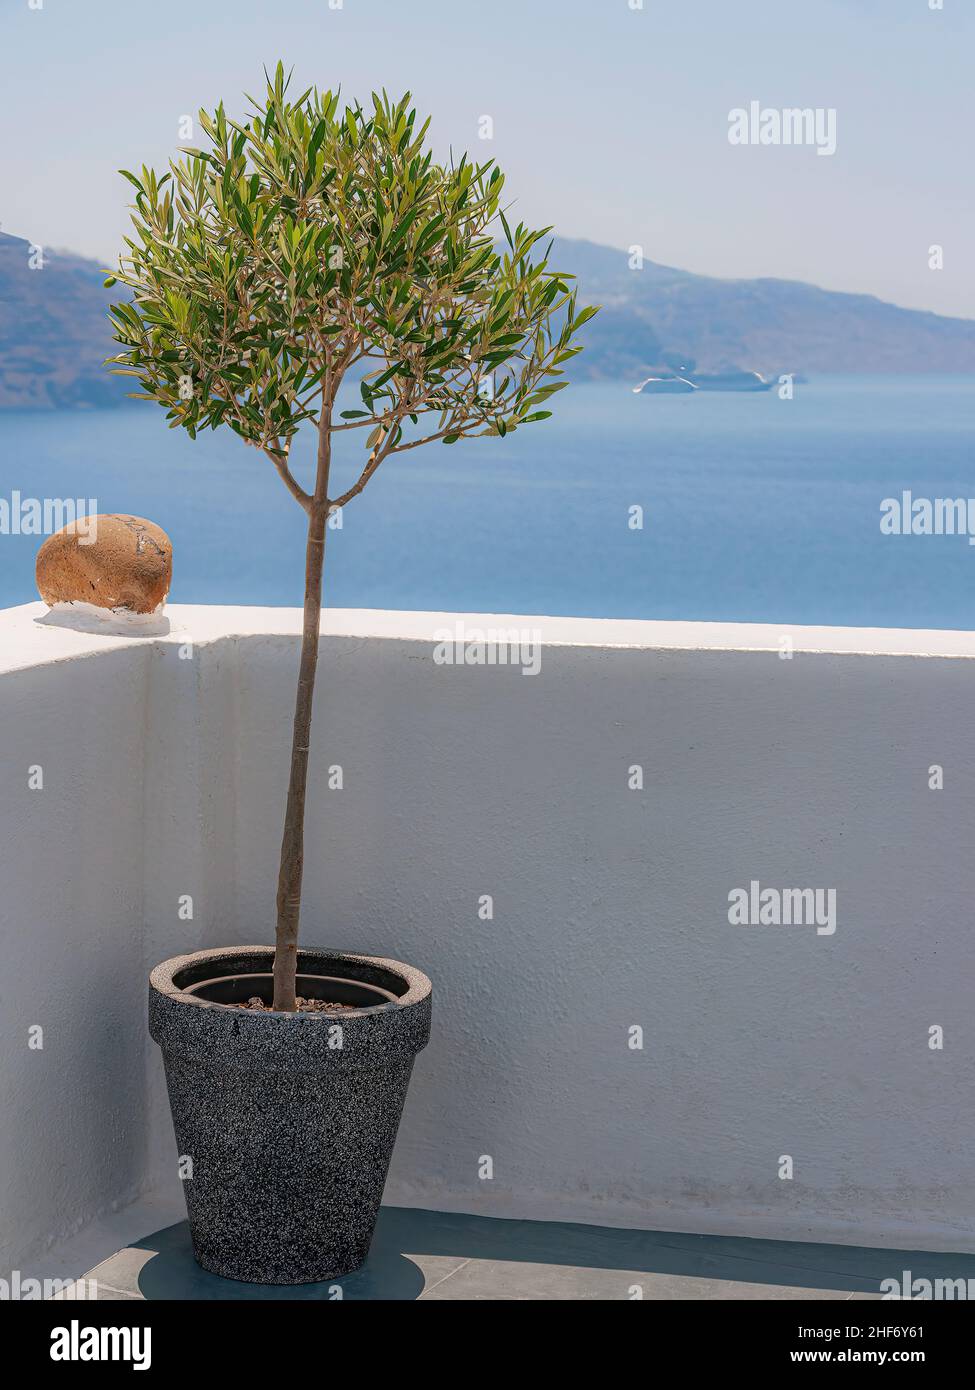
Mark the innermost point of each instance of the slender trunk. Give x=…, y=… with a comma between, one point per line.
x=293, y=843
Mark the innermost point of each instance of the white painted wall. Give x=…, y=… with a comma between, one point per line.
x=167, y=777
x=72, y=1132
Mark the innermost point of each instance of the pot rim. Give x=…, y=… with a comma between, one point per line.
x=162, y=980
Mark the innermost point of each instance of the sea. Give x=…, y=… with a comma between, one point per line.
x=714, y=506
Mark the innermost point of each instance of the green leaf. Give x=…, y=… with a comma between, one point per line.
x=585, y=316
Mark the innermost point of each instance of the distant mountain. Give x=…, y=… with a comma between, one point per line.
x=54, y=332
x=662, y=316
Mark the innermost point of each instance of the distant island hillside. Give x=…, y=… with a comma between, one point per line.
x=54, y=331
x=659, y=315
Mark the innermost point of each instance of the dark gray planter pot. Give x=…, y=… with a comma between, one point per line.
x=290, y=1125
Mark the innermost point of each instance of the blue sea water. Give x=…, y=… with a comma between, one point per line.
x=754, y=508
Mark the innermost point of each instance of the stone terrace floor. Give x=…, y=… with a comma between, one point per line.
x=432, y=1255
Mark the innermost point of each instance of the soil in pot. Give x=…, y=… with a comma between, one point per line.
x=305, y=1006
x=318, y=994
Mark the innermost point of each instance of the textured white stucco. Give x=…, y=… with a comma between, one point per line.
x=165, y=766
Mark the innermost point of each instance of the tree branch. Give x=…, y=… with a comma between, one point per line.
x=375, y=459
x=429, y=438
x=289, y=480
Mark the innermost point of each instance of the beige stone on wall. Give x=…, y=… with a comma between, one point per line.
x=113, y=562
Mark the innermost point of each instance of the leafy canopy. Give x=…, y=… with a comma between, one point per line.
x=307, y=240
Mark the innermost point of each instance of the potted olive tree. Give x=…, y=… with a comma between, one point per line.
x=308, y=244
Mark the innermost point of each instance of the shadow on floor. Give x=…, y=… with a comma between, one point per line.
x=443, y=1255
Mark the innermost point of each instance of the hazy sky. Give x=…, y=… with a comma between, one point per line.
x=610, y=121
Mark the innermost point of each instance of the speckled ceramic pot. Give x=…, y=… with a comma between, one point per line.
x=289, y=1119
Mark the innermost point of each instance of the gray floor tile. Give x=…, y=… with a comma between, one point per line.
x=92, y=1290
x=509, y=1280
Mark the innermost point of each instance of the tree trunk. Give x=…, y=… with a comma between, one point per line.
x=293, y=843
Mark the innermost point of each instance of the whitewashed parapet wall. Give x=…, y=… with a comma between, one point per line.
x=164, y=766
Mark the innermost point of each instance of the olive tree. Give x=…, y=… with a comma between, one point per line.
x=310, y=242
